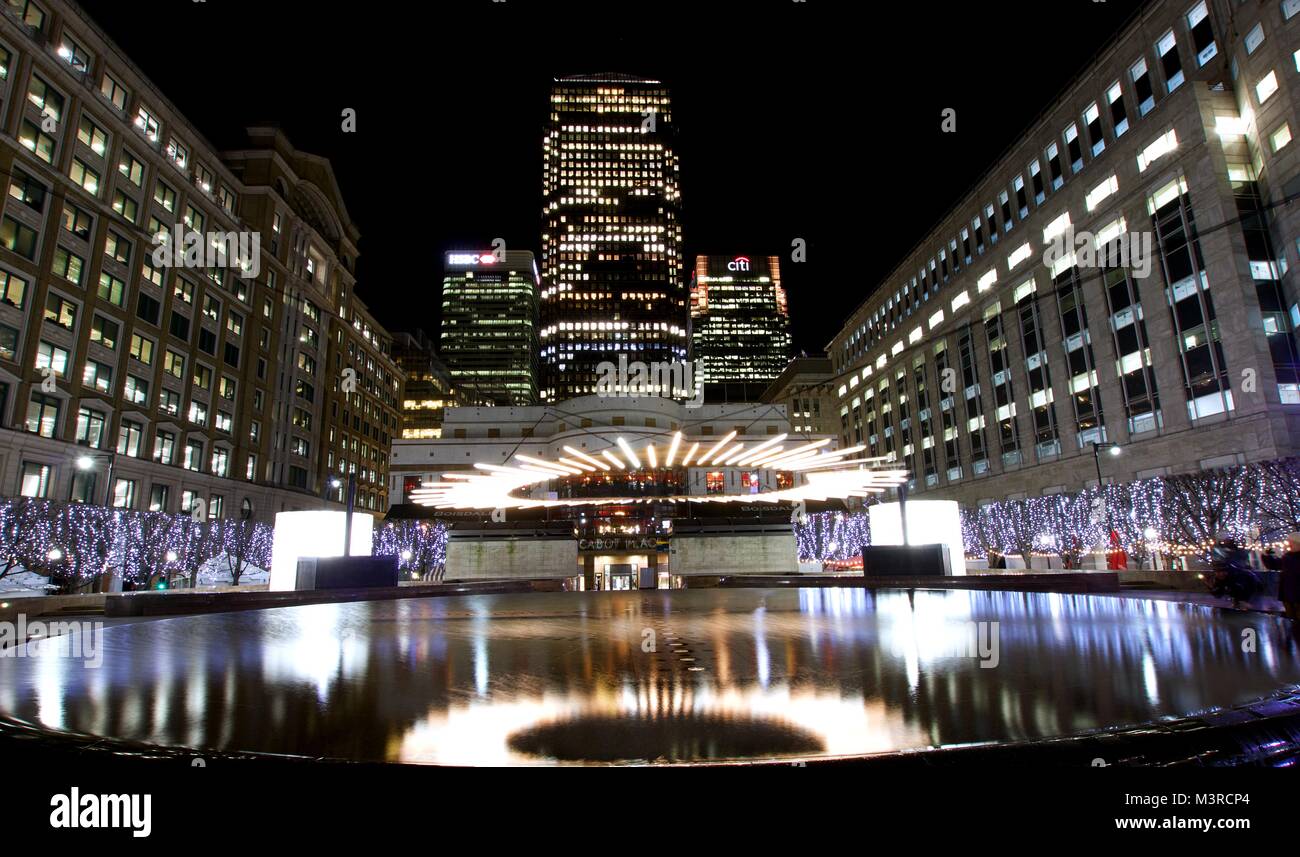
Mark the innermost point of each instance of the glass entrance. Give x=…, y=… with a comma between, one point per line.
x=621, y=576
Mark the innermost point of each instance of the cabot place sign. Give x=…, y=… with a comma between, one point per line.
x=622, y=544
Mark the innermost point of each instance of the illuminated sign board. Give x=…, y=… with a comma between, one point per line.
x=471, y=259
x=740, y=263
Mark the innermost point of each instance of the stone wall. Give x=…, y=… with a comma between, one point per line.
x=734, y=553
x=492, y=559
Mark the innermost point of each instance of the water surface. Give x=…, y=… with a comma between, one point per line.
x=660, y=675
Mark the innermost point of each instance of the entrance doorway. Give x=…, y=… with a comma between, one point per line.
x=621, y=576
x=614, y=572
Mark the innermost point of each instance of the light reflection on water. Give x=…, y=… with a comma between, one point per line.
x=527, y=679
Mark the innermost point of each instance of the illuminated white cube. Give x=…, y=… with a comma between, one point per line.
x=316, y=533
x=929, y=522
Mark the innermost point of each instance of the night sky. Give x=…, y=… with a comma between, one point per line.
x=818, y=120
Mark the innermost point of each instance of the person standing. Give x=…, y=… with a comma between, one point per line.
x=1116, y=557
x=1231, y=575
x=1288, y=584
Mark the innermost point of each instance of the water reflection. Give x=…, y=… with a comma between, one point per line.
x=529, y=679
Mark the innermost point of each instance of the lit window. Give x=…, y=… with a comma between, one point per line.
x=1056, y=227
x=1254, y=38
x=1198, y=26
x=1162, y=145
x=1101, y=192
x=1266, y=86
x=1280, y=137
x=1023, y=290
x=1167, y=50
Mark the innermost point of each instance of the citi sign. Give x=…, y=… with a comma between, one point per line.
x=740, y=263
x=471, y=259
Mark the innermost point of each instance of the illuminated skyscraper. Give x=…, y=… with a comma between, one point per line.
x=740, y=325
x=489, y=326
x=612, y=270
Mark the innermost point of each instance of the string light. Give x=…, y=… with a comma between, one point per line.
x=1180, y=515
x=77, y=542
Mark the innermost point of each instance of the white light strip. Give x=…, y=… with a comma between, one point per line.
x=779, y=452
x=499, y=468
x=652, y=455
x=797, y=451
x=690, y=453
x=572, y=471
x=613, y=459
x=783, y=464
x=704, y=459
x=725, y=458
x=757, y=451
x=579, y=454
x=672, y=449
x=533, y=468
x=573, y=462
x=629, y=454
x=824, y=461
x=497, y=490
x=840, y=453
x=757, y=461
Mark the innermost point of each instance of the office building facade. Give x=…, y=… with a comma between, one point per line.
x=489, y=325
x=806, y=389
x=740, y=325
x=1126, y=274
x=428, y=391
x=220, y=380
x=613, y=280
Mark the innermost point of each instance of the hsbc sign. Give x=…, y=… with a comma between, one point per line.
x=470, y=259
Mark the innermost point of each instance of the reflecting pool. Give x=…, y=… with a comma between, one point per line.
x=660, y=675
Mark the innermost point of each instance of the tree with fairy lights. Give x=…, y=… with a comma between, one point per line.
x=19, y=520
x=152, y=546
x=243, y=543
x=832, y=536
x=1277, y=498
x=1136, y=515
x=1198, y=506
x=92, y=540
x=1076, y=523
x=420, y=546
x=1016, y=526
x=974, y=536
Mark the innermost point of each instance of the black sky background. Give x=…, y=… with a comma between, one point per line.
x=817, y=120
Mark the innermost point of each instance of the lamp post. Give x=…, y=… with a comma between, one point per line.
x=86, y=461
x=1114, y=449
x=347, y=517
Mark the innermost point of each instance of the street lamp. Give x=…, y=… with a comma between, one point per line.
x=86, y=461
x=1114, y=449
x=332, y=483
